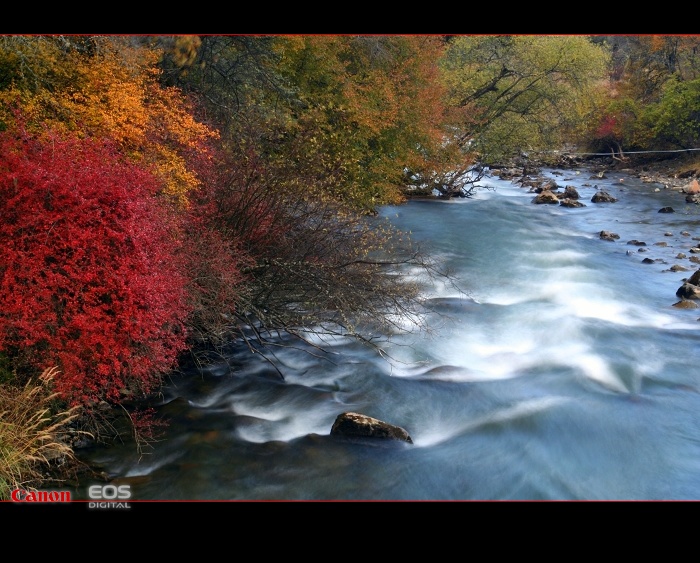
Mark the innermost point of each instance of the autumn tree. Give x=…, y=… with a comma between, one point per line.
x=172, y=278
x=317, y=132
x=641, y=64
x=103, y=86
x=374, y=106
x=652, y=99
x=357, y=116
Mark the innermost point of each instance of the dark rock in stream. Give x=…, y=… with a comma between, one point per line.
x=694, y=279
x=355, y=425
x=688, y=291
x=609, y=235
x=601, y=196
x=570, y=192
x=546, y=197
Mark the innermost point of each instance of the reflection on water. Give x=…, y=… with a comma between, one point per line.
x=563, y=372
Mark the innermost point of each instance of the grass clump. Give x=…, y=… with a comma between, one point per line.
x=33, y=433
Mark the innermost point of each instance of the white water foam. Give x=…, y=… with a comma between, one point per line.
x=442, y=433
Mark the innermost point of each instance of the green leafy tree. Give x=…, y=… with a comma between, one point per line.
x=675, y=119
x=525, y=92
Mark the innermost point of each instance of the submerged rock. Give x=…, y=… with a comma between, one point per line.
x=568, y=202
x=686, y=304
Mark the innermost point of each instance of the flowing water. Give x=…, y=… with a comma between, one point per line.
x=562, y=373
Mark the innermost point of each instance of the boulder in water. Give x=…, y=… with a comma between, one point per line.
x=355, y=425
x=546, y=197
x=602, y=196
x=608, y=235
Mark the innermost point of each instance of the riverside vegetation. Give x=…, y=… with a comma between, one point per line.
x=161, y=195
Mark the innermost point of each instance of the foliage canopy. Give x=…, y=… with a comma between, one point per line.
x=525, y=92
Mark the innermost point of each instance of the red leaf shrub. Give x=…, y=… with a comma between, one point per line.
x=90, y=274
x=608, y=128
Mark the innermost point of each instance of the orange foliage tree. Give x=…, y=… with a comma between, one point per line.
x=104, y=87
x=373, y=112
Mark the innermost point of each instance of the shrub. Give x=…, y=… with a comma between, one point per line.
x=90, y=276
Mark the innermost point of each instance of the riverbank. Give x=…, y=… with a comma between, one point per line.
x=673, y=170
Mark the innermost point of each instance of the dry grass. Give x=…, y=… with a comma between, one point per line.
x=31, y=433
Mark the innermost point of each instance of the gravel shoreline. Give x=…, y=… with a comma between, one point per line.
x=674, y=172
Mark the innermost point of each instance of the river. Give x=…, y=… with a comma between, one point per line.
x=562, y=373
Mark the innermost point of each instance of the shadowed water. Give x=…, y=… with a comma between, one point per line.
x=562, y=373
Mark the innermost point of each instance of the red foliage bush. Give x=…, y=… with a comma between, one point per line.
x=91, y=278
x=608, y=128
